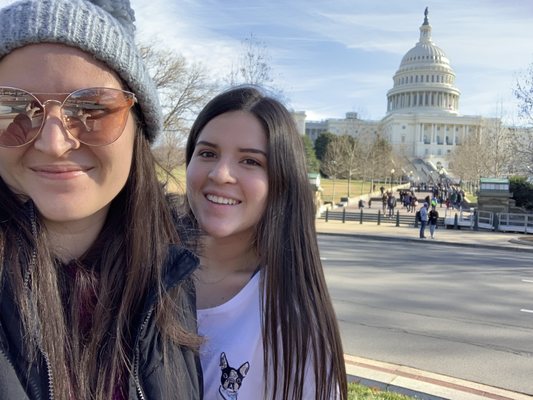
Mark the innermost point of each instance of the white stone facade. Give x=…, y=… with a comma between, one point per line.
x=422, y=120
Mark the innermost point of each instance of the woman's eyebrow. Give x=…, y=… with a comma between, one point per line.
x=241, y=149
x=252, y=150
x=205, y=143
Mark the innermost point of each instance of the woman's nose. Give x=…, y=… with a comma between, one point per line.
x=54, y=139
x=222, y=172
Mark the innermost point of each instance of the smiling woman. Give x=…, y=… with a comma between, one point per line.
x=96, y=296
x=263, y=306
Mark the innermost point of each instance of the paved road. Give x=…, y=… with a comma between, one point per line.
x=450, y=310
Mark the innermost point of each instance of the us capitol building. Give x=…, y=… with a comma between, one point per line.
x=422, y=121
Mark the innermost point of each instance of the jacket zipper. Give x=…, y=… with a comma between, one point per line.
x=140, y=392
x=50, y=376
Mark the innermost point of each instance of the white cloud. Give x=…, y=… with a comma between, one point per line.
x=340, y=55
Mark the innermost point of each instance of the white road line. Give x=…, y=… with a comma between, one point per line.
x=526, y=310
x=527, y=280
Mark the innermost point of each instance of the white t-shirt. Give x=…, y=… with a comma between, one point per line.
x=232, y=354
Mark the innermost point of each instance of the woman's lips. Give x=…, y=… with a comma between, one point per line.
x=60, y=172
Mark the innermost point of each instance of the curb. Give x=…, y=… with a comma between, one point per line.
x=420, y=384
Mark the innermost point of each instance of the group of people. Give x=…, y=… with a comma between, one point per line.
x=388, y=203
x=428, y=217
x=111, y=289
x=449, y=195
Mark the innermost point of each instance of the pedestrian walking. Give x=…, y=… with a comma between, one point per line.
x=423, y=220
x=391, y=204
x=433, y=219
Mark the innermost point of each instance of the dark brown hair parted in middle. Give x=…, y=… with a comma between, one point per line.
x=299, y=319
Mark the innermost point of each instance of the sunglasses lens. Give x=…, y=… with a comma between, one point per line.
x=97, y=116
x=21, y=117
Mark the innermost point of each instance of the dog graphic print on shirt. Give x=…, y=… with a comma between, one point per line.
x=231, y=378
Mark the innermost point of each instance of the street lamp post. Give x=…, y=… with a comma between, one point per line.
x=391, y=178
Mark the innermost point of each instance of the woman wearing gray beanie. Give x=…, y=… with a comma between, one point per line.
x=96, y=300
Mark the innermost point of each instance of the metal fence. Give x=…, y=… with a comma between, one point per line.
x=453, y=219
x=372, y=217
x=479, y=219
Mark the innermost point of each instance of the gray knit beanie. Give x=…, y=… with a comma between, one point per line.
x=103, y=28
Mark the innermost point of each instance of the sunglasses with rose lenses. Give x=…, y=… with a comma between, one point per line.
x=93, y=116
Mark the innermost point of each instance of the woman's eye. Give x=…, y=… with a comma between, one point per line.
x=206, y=154
x=250, y=161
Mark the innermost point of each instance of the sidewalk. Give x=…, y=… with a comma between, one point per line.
x=460, y=237
x=406, y=380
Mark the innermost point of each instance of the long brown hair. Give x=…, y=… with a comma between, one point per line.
x=123, y=264
x=299, y=324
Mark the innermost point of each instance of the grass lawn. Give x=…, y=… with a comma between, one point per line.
x=176, y=185
x=360, y=392
x=334, y=189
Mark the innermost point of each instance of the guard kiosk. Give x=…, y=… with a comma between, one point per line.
x=494, y=195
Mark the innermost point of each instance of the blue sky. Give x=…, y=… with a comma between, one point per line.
x=335, y=56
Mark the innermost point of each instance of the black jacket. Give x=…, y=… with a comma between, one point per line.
x=150, y=379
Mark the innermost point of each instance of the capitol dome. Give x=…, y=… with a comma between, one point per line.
x=425, y=81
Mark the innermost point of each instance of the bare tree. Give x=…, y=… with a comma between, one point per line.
x=350, y=158
x=522, y=150
x=380, y=156
x=488, y=151
x=524, y=93
x=523, y=138
x=375, y=158
x=331, y=164
x=254, y=66
x=184, y=88
x=497, y=148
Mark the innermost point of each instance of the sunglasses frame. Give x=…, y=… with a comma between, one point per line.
x=130, y=97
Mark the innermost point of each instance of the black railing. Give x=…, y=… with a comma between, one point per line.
x=372, y=217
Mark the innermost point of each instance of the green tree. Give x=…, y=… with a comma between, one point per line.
x=522, y=191
x=321, y=144
x=312, y=162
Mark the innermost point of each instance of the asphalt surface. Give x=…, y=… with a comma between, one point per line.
x=403, y=379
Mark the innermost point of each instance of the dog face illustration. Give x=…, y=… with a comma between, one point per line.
x=231, y=378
